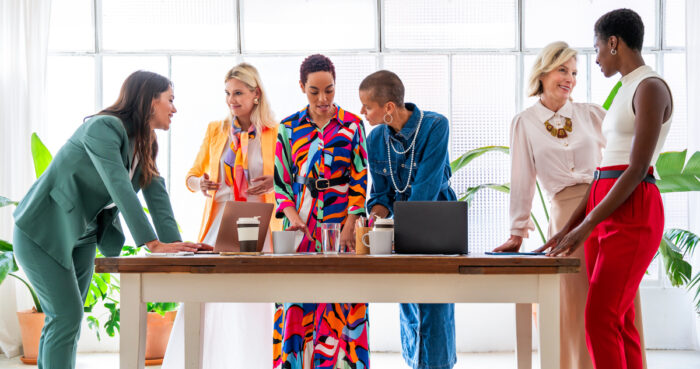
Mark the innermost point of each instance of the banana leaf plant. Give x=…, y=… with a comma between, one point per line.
x=468, y=196
x=8, y=264
x=675, y=175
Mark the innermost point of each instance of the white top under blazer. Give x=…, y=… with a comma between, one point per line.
x=618, y=125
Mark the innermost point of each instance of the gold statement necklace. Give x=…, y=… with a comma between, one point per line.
x=559, y=132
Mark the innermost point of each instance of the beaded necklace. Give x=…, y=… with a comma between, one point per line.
x=412, y=148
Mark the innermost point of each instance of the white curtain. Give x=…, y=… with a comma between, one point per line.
x=24, y=33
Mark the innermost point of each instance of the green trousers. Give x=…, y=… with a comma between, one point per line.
x=62, y=294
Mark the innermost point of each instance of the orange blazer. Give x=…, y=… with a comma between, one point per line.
x=209, y=158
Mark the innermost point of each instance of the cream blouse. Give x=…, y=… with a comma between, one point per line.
x=556, y=162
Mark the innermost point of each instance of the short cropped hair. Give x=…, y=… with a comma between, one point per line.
x=315, y=63
x=623, y=23
x=550, y=58
x=384, y=86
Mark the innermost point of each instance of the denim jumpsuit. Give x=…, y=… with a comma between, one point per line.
x=427, y=330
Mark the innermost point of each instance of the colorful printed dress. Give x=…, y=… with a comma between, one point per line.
x=328, y=335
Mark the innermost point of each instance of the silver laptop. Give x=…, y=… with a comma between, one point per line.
x=430, y=227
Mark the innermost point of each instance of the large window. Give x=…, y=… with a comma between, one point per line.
x=468, y=60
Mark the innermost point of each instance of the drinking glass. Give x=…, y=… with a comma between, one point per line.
x=330, y=237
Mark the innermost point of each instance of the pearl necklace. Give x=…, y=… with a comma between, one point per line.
x=412, y=148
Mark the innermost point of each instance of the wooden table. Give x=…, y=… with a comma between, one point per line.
x=391, y=278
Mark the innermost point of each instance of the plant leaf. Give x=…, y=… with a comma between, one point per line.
x=4, y=201
x=6, y=265
x=41, y=155
x=5, y=246
x=684, y=241
x=471, y=191
x=677, y=269
x=94, y=324
x=470, y=155
x=673, y=177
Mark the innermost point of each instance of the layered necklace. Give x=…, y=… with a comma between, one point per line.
x=559, y=132
x=411, y=148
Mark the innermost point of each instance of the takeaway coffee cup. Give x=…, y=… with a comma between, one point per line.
x=284, y=242
x=248, y=233
x=379, y=242
x=383, y=224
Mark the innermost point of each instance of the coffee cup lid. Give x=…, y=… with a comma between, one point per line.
x=253, y=220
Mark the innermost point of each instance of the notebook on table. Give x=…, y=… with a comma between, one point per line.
x=430, y=227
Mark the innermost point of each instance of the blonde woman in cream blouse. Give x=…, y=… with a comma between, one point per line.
x=558, y=142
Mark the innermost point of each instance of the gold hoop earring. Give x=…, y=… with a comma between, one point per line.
x=613, y=52
x=388, y=121
x=256, y=101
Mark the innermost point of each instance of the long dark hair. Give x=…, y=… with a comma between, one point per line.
x=133, y=108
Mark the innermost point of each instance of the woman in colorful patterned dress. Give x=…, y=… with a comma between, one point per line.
x=320, y=177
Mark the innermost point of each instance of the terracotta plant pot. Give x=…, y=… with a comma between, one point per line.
x=157, y=335
x=30, y=323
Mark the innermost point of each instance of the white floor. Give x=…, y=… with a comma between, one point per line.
x=658, y=359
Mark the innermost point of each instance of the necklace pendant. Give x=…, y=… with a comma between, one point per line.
x=561, y=133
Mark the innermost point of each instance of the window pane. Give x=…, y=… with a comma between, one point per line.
x=676, y=204
x=674, y=20
x=446, y=24
x=71, y=26
x=200, y=99
x=308, y=25
x=280, y=76
x=580, y=92
x=350, y=71
x=483, y=105
x=172, y=25
x=70, y=83
x=425, y=78
x=573, y=20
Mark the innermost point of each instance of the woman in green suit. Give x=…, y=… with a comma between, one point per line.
x=73, y=208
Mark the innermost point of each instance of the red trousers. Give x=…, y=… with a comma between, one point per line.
x=618, y=252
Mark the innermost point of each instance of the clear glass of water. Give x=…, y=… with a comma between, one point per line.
x=330, y=237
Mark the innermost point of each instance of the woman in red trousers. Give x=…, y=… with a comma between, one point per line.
x=622, y=218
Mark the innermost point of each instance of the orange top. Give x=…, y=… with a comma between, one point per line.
x=209, y=158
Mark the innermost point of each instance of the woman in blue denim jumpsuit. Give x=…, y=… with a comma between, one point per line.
x=408, y=161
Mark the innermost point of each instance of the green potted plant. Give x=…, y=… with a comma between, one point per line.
x=30, y=321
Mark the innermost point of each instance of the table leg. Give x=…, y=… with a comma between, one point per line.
x=194, y=316
x=523, y=335
x=549, y=321
x=132, y=334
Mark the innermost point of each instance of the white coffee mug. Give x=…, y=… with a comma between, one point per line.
x=284, y=242
x=379, y=242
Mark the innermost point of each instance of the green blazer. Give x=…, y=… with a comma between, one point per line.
x=66, y=205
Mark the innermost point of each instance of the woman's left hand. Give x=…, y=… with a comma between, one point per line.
x=263, y=186
x=347, y=236
x=571, y=241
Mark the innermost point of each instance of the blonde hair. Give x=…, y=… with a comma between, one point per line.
x=261, y=116
x=551, y=57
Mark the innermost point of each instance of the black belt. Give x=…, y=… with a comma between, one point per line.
x=607, y=174
x=320, y=184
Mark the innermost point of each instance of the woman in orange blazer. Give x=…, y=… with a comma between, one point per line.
x=235, y=163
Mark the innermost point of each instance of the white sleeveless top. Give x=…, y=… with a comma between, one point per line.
x=618, y=125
